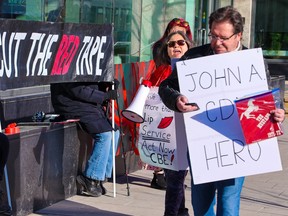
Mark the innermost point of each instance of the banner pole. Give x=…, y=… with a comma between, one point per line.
x=113, y=146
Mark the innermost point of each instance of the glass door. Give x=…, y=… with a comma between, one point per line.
x=203, y=8
x=201, y=22
x=271, y=29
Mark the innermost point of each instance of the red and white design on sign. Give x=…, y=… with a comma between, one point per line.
x=256, y=121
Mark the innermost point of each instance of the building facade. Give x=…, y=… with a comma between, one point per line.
x=139, y=23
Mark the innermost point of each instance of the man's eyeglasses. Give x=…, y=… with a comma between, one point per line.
x=173, y=43
x=181, y=22
x=221, y=39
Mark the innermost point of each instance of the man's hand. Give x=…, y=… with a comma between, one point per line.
x=184, y=106
x=278, y=115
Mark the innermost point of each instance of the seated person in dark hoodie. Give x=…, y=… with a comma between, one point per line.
x=4, y=151
x=89, y=102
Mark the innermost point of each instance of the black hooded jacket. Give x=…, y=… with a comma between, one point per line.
x=84, y=101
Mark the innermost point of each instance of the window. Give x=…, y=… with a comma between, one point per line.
x=271, y=29
x=12, y=8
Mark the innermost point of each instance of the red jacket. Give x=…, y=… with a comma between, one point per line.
x=160, y=74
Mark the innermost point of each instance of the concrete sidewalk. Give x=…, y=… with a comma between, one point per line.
x=263, y=195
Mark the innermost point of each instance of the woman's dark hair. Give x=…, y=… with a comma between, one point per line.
x=163, y=55
x=229, y=14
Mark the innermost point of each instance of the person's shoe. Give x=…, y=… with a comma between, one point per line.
x=90, y=187
x=5, y=211
x=183, y=212
x=4, y=208
x=158, y=181
x=104, y=191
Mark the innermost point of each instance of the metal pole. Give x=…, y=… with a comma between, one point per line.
x=113, y=147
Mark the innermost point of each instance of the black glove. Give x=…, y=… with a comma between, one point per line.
x=116, y=84
x=112, y=94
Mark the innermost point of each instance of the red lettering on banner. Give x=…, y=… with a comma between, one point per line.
x=65, y=54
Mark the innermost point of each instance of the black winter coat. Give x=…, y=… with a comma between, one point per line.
x=169, y=88
x=84, y=101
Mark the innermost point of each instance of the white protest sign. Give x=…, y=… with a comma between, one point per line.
x=158, y=133
x=215, y=141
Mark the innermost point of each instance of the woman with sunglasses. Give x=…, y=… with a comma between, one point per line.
x=176, y=24
x=173, y=47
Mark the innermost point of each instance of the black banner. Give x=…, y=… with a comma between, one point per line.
x=39, y=53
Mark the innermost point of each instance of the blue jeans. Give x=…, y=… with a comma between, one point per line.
x=99, y=165
x=228, y=197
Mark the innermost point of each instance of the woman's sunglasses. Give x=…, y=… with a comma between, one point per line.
x=173, y=43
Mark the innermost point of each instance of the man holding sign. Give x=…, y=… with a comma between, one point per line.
x=226, y=29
